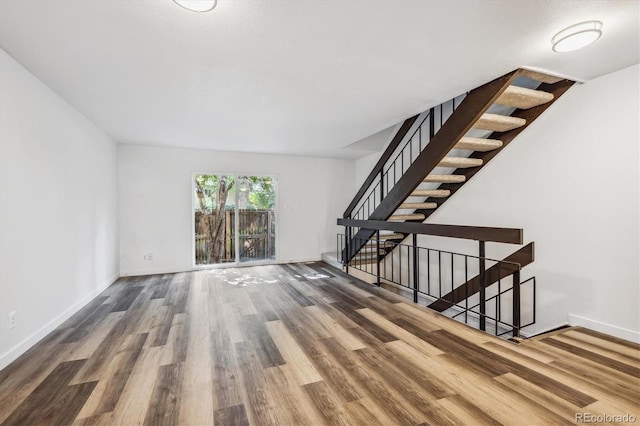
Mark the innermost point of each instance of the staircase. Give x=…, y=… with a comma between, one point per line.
x=421, y=177
x=430, y=158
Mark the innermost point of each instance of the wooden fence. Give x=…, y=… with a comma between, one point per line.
x=256, y=235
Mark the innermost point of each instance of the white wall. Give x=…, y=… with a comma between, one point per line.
x=571, y=182
x=58, y=209
x=363, y=167
x=156, y=213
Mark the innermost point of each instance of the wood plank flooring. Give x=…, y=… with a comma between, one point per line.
x=303, y=344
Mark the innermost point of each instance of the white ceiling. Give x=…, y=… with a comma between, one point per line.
x=289, y=76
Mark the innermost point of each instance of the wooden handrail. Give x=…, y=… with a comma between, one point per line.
x=375, y=172
x=508, y=266
x=477, y=233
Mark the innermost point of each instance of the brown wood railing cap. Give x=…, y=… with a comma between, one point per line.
x=478, y=233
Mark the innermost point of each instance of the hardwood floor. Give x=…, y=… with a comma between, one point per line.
x=303, y=344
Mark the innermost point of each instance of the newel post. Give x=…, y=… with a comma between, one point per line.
x=516, y=302
x=347, y=240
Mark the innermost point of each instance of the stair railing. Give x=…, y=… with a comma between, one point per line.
x=479, y=290
x=410, y=140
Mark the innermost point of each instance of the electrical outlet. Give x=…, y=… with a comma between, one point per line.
x=12, y=319
x=150, y=256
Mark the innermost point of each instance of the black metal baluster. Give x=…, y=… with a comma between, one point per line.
x=466, y=288
x=429, y=272
x=411, y=150
x=483, y=286
x=431, y=123
x=400, y=264
x=387, y=186
x=415, y=268
x=384, y=262
x=439, y=274
x=392, y=261
x=374, y=193
x=378, y=257
x=498, y=304
x=533, y=304
x=496, y=309
x=452, y=278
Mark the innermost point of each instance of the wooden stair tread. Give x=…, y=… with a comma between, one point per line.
x=418, y=206
x=355, y=262
x=369, y=250
x=460, y=162
x=436, y=193
x=478, y=144
x=445, y=178
x=382, y=244
x=414, y=216
x=541, y=77
x=523, y=98
x=498, y=123
x=391, y=237
x=361, y=255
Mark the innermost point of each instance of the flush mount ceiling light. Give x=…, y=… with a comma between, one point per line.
x=577, y=36
x=197, y=5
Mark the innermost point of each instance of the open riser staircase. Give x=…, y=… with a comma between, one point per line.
x=431, y=156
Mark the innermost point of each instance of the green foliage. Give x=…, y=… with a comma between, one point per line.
x=207, y=187
x=262, y=195
x=261, y=192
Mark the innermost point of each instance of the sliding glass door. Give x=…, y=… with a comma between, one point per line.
x=234, y=218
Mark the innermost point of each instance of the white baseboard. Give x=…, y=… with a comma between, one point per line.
x=533, y=332
x=13, y=353
x=141, y=272
x=331, y=258
x=611, y=330
x=302, y=260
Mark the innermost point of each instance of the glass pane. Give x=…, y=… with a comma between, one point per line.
x=256, y=218
x=214, y=212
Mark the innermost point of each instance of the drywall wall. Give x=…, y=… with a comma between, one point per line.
x=58, y=209
x=571, y=182
x=155, y=193
x=363, y=167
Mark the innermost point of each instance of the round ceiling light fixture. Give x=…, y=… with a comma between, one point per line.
x=197, y=5
x=577, y=36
